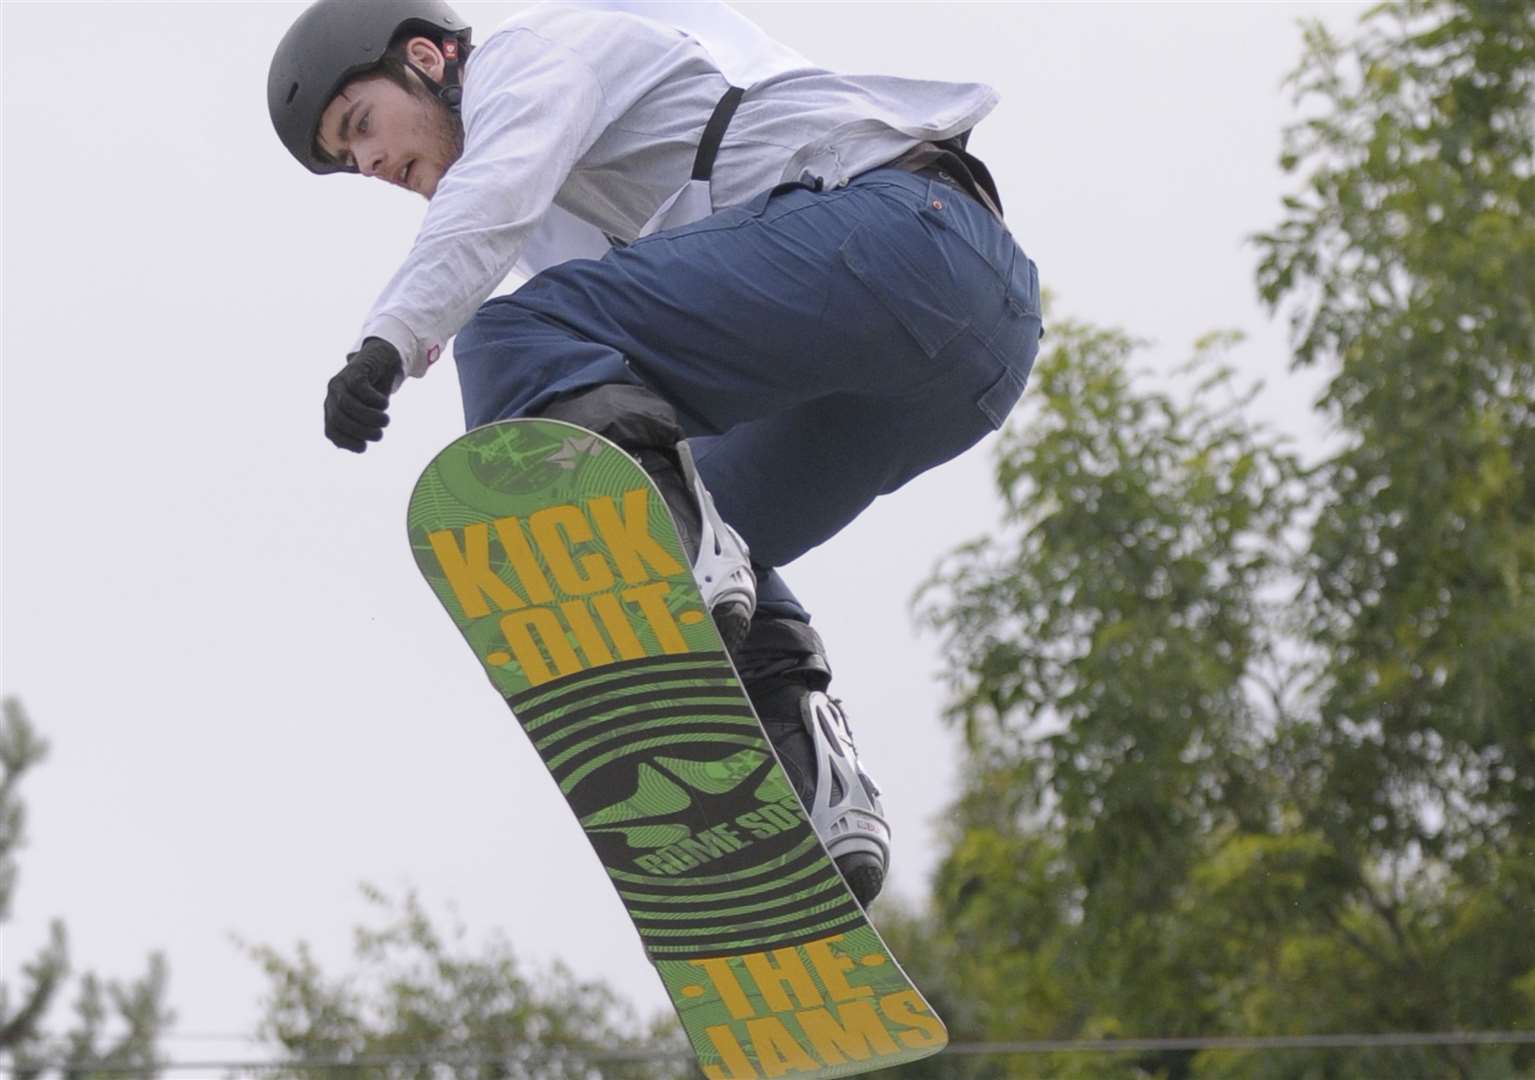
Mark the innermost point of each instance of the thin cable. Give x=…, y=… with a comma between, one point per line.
x=1247, y=1042
x=974, y=1049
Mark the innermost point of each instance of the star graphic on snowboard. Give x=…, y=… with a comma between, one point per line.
x=570, y=451
x=667, y=786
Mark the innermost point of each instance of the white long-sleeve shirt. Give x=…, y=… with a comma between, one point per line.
x=599, y=112
x=745, y=56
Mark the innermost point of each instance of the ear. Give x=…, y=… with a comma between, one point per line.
x=424, y=54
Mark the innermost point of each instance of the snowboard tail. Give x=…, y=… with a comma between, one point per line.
x=556, y=558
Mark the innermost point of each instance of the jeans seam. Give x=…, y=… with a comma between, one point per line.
x=997, y=356
x=820, y=319
x=1003, y=278
x=672, y=236
x=863, y=272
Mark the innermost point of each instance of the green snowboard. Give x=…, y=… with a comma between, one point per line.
x=557, y=560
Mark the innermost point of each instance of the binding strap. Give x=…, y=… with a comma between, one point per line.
x=714, y=133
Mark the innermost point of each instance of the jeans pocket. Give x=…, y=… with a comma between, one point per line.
x=1014, y=342
x=1001, y=396
x=1023, y=287
x=890, y=265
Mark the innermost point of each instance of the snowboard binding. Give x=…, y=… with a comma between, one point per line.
x=721, y=562
x=844, y=807
x=783, y=665
x=647, y=428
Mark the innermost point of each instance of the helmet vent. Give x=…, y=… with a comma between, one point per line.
x=291, y=91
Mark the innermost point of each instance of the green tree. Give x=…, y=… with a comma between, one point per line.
x=421, y=1003
x=136, y=1012
x=1408, y=265
x=1105, y=646
x=1253, y=746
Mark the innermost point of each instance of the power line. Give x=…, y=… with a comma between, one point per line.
x=1248, y=1042
x=1396, y=1040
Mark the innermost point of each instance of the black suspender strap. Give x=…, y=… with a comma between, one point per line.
x=714, y=133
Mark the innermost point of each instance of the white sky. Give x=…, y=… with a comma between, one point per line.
x=253, y=700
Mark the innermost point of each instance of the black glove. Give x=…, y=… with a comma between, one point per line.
x=357, y=397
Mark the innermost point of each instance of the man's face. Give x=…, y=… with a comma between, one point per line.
x=403, y=138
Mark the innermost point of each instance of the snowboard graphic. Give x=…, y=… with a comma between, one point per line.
x=556, y=558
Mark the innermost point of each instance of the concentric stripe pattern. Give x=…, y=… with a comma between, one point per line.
x=668, y=770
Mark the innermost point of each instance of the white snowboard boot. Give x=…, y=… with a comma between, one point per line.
x=845, y=808
x=647, y=428
x=722, y=565
x=783, y=665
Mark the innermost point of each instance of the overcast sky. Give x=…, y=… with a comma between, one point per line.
x=253, y=700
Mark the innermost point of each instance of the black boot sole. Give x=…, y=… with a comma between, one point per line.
x=864, y=873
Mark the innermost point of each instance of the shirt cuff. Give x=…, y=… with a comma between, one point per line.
x=417, y=355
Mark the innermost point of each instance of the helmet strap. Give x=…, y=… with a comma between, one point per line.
x=449, y=92
x=452, y=92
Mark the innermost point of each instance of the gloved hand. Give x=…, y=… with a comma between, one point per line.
x=357, y=397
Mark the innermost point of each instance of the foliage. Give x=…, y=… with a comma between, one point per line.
x=422, y=1003
x=1114, y=645
x=1422, y=565
x=137, y=1009
x=1253, y=744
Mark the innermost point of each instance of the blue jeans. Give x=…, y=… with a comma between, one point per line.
x=821, y=347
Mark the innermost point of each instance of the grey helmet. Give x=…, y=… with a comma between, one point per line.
x=336, y=40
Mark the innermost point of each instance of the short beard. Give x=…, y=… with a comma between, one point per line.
x=447, y=126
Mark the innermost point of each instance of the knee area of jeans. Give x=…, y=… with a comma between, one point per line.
x=501, y=323
x=475, y=334
x=467, y=340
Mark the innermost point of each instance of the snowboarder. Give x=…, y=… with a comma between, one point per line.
x=808, y=297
